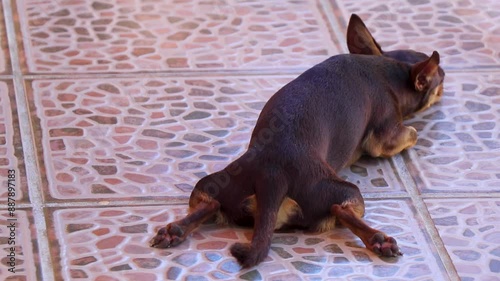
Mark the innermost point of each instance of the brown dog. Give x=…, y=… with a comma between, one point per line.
x=323, y=120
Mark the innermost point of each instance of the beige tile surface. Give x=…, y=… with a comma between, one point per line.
x=137, y=36
x=459, y=140
x=19, y=255
x=11, y=159
x=5, y=67
x=470, y=230
x=466, y=33
x=124, y=105
x=104, y=243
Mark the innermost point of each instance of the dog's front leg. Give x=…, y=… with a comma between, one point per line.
x=390, y=141
x=349, y=214
x=201, y=208
x=270, y=193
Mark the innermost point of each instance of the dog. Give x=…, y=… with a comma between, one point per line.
x=324, y=120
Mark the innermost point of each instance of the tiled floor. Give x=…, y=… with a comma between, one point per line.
x=110, y=111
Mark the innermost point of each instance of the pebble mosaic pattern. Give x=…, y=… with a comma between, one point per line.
x=459, y=138
x=7, y=158
x=131, y=138
x=466, y=33
x=25, y=263
x=97, y=36
x=4, y=52
x=111, y=244
x=471, y=234
x=121, y=138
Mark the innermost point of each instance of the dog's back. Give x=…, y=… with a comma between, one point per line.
x=313, y=114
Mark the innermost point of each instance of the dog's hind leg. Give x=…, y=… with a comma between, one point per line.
x=349, y=214
x=270, y=190
x=201, y=208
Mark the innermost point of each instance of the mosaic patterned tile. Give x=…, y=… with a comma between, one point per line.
x=459, y=139
x=18, y=261
x=130, y=36
x=374, y=175
x=10, y=147
x=470, y=231
x=466, y=33
x=4, y=50
x=112, y=244
x=150, y=137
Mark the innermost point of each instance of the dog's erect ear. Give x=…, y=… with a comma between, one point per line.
x=359, y=39
x=423, y=72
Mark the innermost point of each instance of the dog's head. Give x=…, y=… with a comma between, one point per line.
x=426, y=74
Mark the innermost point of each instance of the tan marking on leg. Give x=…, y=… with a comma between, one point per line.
x=250, y=205
x=371, y=145
x=348, y=215
x=358, y=206
x=288, y=209
x=327, y=224
x=393, y=144
x=330, y=222
x=221, y=219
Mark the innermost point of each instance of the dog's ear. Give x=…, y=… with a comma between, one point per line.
x=359, y=39
x=423, y=72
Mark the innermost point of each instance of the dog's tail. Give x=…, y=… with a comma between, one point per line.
x=271, y=188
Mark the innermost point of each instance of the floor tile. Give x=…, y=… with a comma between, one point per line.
x=466, y=33
x=19, y=260
x=459, y=138
x=112, y=244
x=121, y=138
x=11, y=157
x=4, y=49
x=130, y=36
x=374, y=176
x=470, y=230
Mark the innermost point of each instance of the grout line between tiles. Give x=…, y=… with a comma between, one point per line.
x=460, y=195
x=32, y=169
x=334, y=24
x=422, y=211
x=184, y=200
x=210, y=73
x=169, y=74
x=172, y=201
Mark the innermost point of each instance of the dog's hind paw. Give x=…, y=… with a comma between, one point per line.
x=246, y=255
x=169, y=236
x=384, y=245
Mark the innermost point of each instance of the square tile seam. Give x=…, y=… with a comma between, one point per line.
x=417, y=201
x=199, y=74
x=295, y=72
x=31, y=164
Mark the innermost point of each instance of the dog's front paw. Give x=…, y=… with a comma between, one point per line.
x=384, y=245
x=246, y=255
x=168, y=236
